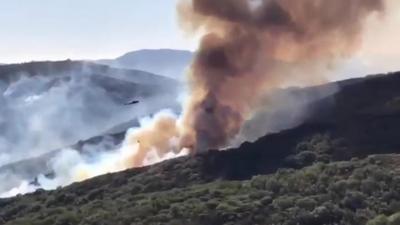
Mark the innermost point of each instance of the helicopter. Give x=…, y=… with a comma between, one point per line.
x=134, y=102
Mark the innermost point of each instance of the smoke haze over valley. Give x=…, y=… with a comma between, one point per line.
x=48, y=106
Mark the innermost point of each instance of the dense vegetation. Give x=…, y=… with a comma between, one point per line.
x=342, y=166
x=336, y=193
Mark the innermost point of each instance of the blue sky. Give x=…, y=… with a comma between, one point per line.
x=60, y=29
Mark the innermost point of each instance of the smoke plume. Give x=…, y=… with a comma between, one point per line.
x=252, y=46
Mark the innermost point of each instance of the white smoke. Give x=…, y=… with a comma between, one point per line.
x=283, y=109
x=24, y=188
x=42, y=114
x=70, y=165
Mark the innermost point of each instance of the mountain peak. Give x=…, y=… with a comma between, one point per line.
x=167, y=62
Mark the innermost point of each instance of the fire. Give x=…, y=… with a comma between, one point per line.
x=157, y=139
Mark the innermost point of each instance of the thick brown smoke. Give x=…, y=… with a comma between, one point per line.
x=249, y=47
x=158, y=136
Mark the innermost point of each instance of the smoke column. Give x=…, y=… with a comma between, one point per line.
x=252, y=46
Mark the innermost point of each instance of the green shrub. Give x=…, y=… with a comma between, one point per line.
x=354, y=200
x=394, y=219
x=258, y=182
x=284, y=202
x=306, y=203
x=67, y=218
x=379, y=220
x=273, y=185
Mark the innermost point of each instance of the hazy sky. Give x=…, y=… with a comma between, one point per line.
x=93, y=29
x=59, y=29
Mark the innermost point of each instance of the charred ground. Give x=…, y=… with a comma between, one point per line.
x=341, y=166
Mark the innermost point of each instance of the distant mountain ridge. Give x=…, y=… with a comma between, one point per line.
x=167, y=62
x=12, y=72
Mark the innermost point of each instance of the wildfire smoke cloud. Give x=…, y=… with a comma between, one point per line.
x=249, y=47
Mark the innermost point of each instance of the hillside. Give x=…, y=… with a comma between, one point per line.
x=340, y=166
x=47, y=106
x=12, y=72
